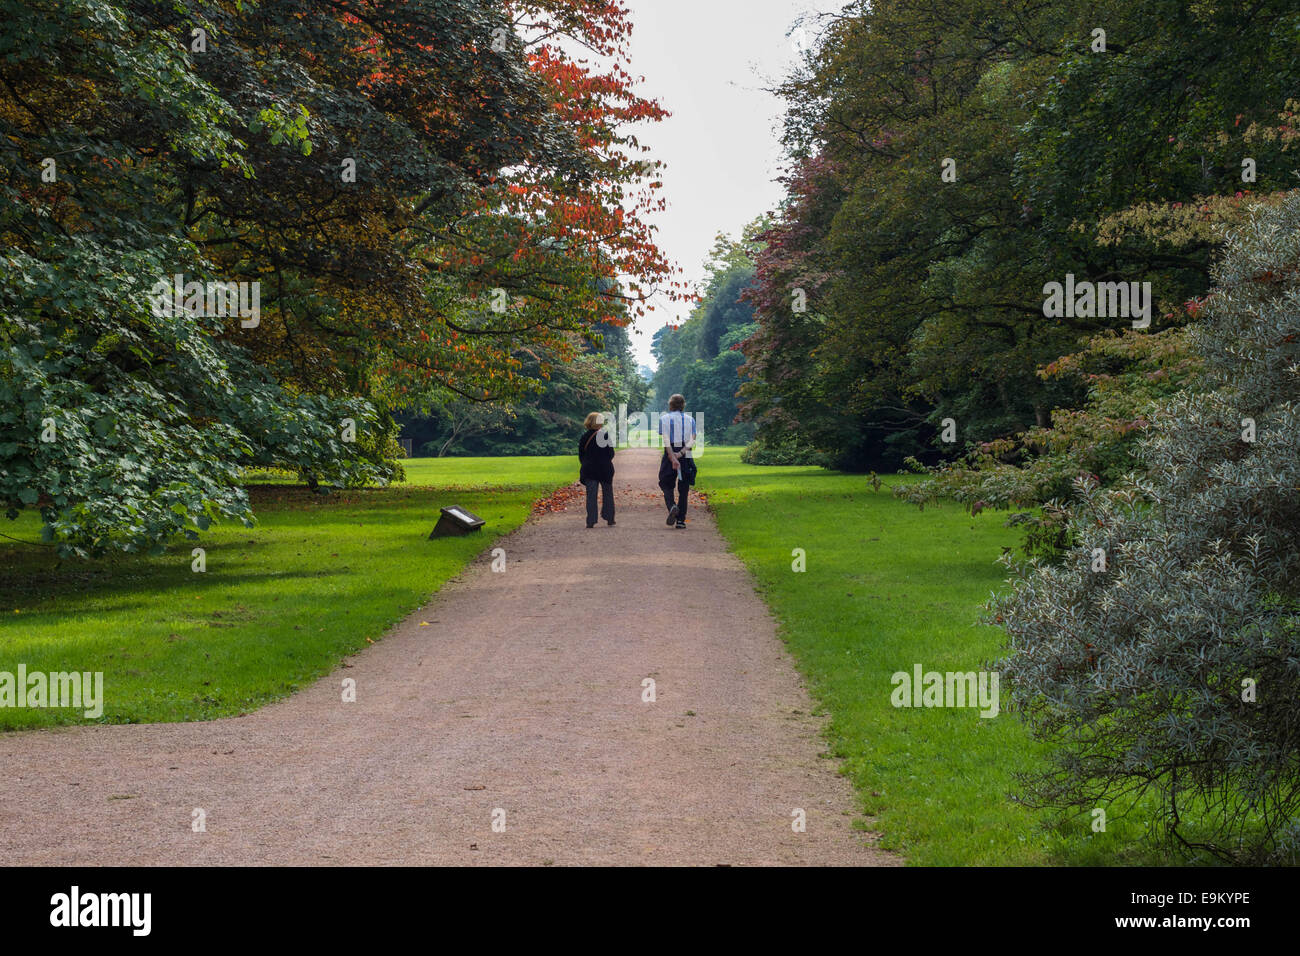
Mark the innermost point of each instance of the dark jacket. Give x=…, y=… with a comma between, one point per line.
x=597, y=459
x=668, y=475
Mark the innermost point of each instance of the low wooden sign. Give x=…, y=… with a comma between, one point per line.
x=455, y=520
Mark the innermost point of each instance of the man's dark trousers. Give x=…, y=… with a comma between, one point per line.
x=670, y=477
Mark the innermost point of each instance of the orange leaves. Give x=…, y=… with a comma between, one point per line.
x=558, y=500
x=570, y=249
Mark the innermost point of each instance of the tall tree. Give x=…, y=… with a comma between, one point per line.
x=950, y=159
x=418, y=188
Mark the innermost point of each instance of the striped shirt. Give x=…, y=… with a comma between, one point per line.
x=677, y=428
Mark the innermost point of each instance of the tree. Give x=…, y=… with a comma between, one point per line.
x=1159, y=657
x=948, y=160
x=1128, y=375
x=702, y=358
x=460, y=420
x=544, y=423
x=125, y=423
x=425, y=196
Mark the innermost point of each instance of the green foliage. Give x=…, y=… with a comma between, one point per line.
x=1128, y=376
x=924, y=295
x=782, y=450
x=1160, y=655
x=124, y=427
x=702, y=359
x=547, y=422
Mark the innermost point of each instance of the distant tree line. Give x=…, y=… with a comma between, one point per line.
x=701, y=358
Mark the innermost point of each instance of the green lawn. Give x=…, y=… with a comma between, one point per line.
x=278, y=606
x=887, y=587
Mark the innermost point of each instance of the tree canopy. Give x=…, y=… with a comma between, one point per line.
x=946, y=161
x=421, y=198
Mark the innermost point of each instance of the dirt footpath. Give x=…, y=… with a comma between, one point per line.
x=519, y=703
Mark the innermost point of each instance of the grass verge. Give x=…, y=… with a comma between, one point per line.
x=887, y=587
x=277, y=607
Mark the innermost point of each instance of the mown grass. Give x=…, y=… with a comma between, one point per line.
x=278, y=605
x=887, y=587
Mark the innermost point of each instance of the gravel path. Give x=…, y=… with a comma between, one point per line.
x=521, y=698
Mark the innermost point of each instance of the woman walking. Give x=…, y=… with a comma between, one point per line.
x=596, y=468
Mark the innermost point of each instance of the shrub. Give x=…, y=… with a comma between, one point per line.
x=1173, y=668
x=787, y=451
x=1127, y=375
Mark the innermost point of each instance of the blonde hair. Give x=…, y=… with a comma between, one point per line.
x=676, y=403
x=594, y=421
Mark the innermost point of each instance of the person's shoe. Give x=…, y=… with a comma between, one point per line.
x=681, y=524
x=610, y=522
x=591, y=525
x=672, y=514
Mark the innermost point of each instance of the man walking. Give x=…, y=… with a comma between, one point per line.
x=677, y=467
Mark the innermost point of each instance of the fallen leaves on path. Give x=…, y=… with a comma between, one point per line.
x=558, y=500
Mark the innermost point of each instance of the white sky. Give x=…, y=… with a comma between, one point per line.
x=706, y=62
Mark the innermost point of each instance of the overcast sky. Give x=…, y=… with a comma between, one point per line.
x=707, y=62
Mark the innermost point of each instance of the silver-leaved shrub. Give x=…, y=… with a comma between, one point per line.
x=1162, y=656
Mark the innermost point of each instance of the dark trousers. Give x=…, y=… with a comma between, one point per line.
x=607, y=500
x=683, y=489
